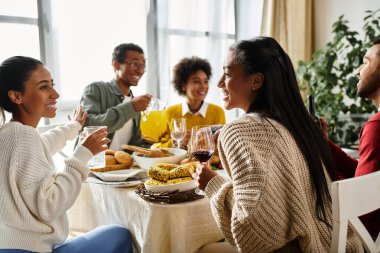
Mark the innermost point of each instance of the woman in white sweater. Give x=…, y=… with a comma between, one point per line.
x=34, y=197
x=280, y=169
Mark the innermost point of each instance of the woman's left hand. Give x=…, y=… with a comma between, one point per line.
x=205, y=174
x=78, y=115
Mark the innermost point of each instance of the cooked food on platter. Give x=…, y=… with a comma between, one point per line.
x=170, y=177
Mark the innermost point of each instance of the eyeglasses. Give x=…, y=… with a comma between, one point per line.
x=136, y=65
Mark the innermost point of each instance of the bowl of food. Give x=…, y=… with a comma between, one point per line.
x=166, y=177
x=145, y=162
x=181, y=185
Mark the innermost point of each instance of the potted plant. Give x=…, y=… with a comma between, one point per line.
x=330, y=77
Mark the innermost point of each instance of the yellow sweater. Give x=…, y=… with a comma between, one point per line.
x=214, y=116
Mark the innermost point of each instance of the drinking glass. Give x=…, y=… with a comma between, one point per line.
x=99, y=160
x=178, y=130
x=155, y=104
x=201, y=146
x=202, y=143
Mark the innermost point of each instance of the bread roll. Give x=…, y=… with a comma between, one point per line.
x=123, y=166
x=123, y=157
x=110, y=160
x=110, y=152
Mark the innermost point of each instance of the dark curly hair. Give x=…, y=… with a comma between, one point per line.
x=121, y=50
x=185, y=67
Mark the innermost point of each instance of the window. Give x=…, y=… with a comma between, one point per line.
x=85, y=33
x=76, y=39
x=18, y=26
x=193, y=28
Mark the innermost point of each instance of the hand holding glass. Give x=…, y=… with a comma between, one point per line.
x=178, y=130
x=99, y=160
x=202, y=143
x=201, y=146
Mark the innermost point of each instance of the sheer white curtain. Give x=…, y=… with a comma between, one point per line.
x=205, y=28
x=187, y=28
x=83, y=35
x=249, y=14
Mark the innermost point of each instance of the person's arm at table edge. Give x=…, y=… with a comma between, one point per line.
x=369, y=148
x=344, y=164
x=114, y=117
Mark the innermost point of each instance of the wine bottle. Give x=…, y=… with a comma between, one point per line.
x=312, y=113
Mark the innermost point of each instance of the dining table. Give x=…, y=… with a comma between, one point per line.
x=154, y=227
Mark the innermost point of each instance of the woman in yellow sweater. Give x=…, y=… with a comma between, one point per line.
x=191, y=76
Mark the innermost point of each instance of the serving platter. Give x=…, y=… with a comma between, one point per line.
x=173, y=187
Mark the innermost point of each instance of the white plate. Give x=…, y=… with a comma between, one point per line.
x=94, y=180
x=147, y=162
x=119, y=175
x=172, y=187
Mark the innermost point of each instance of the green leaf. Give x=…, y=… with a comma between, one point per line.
x=329, y=75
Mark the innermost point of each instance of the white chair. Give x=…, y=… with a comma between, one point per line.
x=352, y=198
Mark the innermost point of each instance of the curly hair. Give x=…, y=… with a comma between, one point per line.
x=187, y=66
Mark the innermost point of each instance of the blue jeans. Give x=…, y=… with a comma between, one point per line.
x=105, y=239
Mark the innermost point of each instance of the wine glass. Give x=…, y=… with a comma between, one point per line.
x=201, y=145
x=155, y=104
x=178, y=130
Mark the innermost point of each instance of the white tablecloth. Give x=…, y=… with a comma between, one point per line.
x=154, y=227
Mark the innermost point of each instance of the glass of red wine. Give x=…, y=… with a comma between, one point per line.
x=201, y=145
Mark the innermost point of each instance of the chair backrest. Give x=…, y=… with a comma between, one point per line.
x=352, y=198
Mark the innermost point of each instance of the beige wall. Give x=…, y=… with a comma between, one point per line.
x=326, y=12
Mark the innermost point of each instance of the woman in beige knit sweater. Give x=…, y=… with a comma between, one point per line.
x=280, y=170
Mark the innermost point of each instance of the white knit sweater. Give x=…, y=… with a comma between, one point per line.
x=269, y=204
x=34, y=197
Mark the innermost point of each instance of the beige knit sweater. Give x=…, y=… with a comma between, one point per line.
x=34, y=197
x=269, y=204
